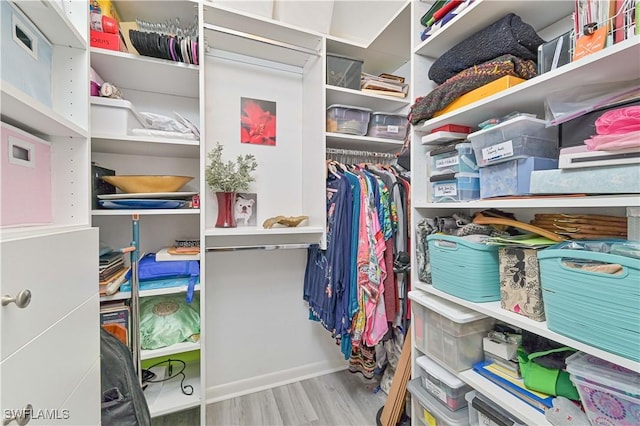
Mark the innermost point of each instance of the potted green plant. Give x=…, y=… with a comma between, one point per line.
x=226, y=179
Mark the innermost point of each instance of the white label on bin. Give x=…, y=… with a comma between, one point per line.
x=446, y=162
x=445, y=189
x=486, y=421
x=436, y=391
x=496, y=152
x=393, y=129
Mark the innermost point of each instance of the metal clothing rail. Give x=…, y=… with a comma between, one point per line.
x=355, y=156
x=259, y=247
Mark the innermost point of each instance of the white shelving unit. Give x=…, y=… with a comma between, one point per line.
x=342, y=140
x=124, y=295
x=168, y=397
x=146, y=145
x=526, y=97
x=169, y=350
x=144, y=212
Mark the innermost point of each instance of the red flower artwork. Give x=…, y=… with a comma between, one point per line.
x=258, y=122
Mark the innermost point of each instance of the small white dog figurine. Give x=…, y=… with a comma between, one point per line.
x=243, y=209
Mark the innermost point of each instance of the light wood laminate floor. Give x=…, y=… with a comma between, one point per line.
x=337, y=399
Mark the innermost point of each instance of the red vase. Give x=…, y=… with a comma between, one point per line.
x=226, y=201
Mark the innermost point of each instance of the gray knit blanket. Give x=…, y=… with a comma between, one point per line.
x=508, y=35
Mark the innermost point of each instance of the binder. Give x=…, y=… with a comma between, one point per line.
x=514, y=386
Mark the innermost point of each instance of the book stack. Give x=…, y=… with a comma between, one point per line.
x=385, y=84
x=183, y=249
x=112, y=272
x=114, y=317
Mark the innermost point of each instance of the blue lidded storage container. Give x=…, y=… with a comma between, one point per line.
x=512, y=177
x=464, y=269
x=455, y=187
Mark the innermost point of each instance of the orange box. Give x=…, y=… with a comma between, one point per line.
x=107, y=41
x=481, y=92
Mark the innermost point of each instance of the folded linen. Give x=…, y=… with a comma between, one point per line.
x=508, y=35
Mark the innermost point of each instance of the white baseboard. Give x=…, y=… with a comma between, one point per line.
x=272, y=380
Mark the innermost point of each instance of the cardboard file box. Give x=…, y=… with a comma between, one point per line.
x=485, y=91
x=26, y=55
x=520, y=289
x=25, y=164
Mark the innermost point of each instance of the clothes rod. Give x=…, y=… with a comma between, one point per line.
x=263, y=40
x=352, y=152
x=259, y=247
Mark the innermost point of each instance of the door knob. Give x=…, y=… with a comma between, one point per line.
x=21, y=300
x=21, y=417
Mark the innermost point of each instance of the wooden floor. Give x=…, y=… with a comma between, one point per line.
x=337, y=399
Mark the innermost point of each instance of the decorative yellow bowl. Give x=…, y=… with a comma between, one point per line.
x=147, y=183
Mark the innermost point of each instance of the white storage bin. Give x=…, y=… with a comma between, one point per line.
x=25, y=165
x=431, y=412
x=348, y=119
x=391, y=126
x=26, y=55
x=452, y=333
x=444, y=386
x=113, y=117
x=519, y=137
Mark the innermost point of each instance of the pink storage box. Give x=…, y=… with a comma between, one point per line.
x=26, y=178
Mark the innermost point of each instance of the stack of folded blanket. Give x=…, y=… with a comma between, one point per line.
x=506, y=47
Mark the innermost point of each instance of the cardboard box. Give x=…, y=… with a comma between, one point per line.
x=481, y=92
x=107, y=41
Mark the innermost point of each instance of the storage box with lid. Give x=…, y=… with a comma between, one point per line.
x=456, y=158
x=610, y=394
x=454, y=260
x=519, y=137
x=454, y=187
x=25, y=165
x=512, y=177
x=113, y=117
x=343, y=71
x=431, y=412
x=520, y=289
x=390, y=126
x=444, y=386
x=483, y=411
x=452, y=333
x=599, y=307
x=348, y=119
x=27, y=55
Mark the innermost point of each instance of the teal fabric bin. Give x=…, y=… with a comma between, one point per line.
x=600, y=309
x=464, y=269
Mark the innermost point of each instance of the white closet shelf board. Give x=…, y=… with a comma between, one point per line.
x=384, y=54
x=592, y=69
x=171, y=398
x=185, y=11
x=596, y=201
x=145, y=145
x=124, y=295
x=254, y=230
x=25, y=112
x=344, y=96
x=254, y=237
x=494, y=310
x=143, y=212
x=145, y=73
x=52, y=20
x=233, y=32
x=169, y=350
x=483, y=13
x=512, y=404
x=21, y=232
x=365, y=143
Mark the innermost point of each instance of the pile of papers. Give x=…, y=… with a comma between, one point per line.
x=384, y=85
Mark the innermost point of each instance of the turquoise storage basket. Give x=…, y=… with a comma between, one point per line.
x=464, y=269
x=602, y=310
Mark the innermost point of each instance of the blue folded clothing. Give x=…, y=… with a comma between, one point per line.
x=162, y=273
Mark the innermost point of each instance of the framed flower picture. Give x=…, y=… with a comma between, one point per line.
x=257, y=121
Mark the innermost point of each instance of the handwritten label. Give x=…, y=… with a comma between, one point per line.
x=446, y=162
x=486, y=421
x=445, y=189
x=436, y=391
x=393, y=129
x=496, y=152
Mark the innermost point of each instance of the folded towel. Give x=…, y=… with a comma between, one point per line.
x=508, y=35
x=468, y=80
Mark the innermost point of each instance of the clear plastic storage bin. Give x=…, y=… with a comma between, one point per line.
x=348, y=119
x=444, y=386
x=113, y=117
x=453, y=159
x=483, y=411
x=511, y=177
x=430, y=412
x=452, y=333
x=455, y=187
x=391, y=126
x=519, y=137
x=343, y=71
